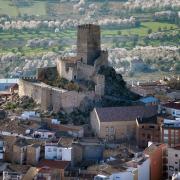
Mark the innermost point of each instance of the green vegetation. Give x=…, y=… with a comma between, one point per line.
x=143, y=29
x=65, y=84
x=10, y=106
x=146, y=27
x=36, y=8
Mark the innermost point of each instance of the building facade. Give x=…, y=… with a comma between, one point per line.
x=147, y=129
x=170, y=132
x=54, y=151
x=157, y=156
x=118, y=122
x=173, y=165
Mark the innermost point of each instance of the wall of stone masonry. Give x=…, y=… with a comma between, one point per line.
x=100, y=84
x=102, y=60
x=51, y=98
x=85, y=71
x=46, y=73
x=28, y=89
x=88, y=43
x=64, y=72
x=72, y=99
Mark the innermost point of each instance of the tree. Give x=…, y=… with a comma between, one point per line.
x=159, y=29
x=146, y=41
x=119, y=33
x=149, y=31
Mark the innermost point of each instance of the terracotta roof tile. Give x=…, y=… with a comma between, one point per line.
x=53, y=164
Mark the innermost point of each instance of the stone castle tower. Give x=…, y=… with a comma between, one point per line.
x=89, y=43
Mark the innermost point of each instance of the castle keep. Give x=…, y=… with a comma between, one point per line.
x=81, y=68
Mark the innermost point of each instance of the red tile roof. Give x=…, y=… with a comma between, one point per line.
x=174, y=105
x=53, y=164
x=126, y=113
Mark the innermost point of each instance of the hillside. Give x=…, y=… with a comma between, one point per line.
x=32, y=29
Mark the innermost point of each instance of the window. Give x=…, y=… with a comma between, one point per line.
x=49, y=149
x=107, y=129
x=152, y=127
x=176, y=155
x=166, y=131
x=112, y=129
x=54, y=149
x=143, y=135
x=148, y=136
x=171, y=168
x=172, y=132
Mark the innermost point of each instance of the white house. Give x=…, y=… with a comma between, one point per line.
x=172, y=108
x=43, y=134
x=1, y=149
x=121, y=175
x=55, y=151
x=30, y=115
x=136, y=168
x=173, y=163
x=55, y=121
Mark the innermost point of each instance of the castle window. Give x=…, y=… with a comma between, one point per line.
x=148, y=136
x=75, y=77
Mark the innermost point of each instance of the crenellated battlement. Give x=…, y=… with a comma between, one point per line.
x=30, y=79
x=88, y=26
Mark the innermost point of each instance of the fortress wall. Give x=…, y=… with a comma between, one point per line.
x=46, y=73
x=73, y=99
x=46, y=98
x=100, y=84
x=84, y=71
x=102, y=60
x=63, y=71
x=29, y=89
x=52, y=99
x=56, y=100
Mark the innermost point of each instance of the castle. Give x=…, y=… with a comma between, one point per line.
x=83, y=67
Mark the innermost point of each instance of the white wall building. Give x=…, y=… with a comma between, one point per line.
x=137, y=168
x=144, y=170
x=173, y=165
x=30, y=115
x=172, y=108
x=1, y=149
x=121, y=175
x=54, y=151
x=43, y=134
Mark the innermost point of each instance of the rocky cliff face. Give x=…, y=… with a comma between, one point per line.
x=116, y=92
